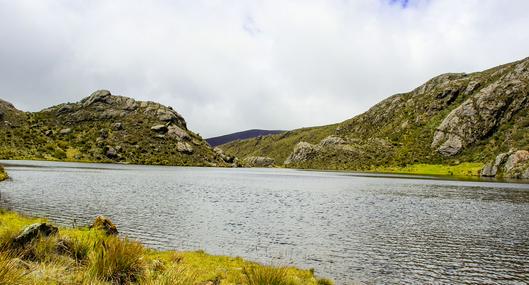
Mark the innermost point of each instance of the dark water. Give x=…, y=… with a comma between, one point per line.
x=374, y=230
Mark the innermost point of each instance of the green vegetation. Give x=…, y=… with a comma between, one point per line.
x=460, y=170
x=3, y=174
x=83, y=256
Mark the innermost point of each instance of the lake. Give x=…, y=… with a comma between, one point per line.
x=349, y=227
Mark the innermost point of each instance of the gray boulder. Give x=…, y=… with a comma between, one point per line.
x=33, y=232
x=111, y=152
x=184, y=147
x=98, y=96
x=65, y=131
x=303, y=151
x=117, y=126
x=177, y=132
x=160, y=129
x=513, y=164
x=258, y=161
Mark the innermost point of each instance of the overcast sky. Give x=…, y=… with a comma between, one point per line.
x=233, y=65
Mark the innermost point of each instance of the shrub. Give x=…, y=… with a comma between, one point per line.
x=325, y=281
x=267, y=275
x=117, y=261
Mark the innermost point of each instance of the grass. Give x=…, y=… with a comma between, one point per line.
x=3, y=174
x=460, y=170
x=84, y=256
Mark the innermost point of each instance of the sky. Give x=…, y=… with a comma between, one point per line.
x=231, y=65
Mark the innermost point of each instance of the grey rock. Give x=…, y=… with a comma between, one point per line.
x=33, y=232
x=103, y=133
x=48, y=133
x=111, y=152
x=258, y=161
x=65, y=131
x=160, y=129
x=303, y=151
x=512, y=164
x=332, y=141
x=98, y=96
x=184, y=147
x=117, y=126
x=177, y=132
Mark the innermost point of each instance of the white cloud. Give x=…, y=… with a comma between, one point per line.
x=234, y=65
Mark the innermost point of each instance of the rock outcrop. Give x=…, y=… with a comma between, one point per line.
x=513, y=164
x=302, y=152
x=484, y=111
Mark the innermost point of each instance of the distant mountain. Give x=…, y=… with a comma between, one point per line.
x=455, y=118
x=103, y=128
x=216, y=141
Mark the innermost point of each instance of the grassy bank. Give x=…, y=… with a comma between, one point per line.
x=459, y=170
x=84, y=256
x=3, y=174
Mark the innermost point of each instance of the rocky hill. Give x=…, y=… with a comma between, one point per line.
x=451, y=119
x=103, y=128
x=248, y=134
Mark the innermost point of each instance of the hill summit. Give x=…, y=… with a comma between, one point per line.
x=106, y=128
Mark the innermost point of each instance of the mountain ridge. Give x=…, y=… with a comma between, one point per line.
x=242, y=135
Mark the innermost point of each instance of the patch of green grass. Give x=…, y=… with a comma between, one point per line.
x=460, y=170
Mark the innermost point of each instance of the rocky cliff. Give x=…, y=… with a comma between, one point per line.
x=105, y=128
x=450, y=119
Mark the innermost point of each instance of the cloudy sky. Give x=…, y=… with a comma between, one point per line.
x=233, y=65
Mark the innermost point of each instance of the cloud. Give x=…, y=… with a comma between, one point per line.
x=249, y=64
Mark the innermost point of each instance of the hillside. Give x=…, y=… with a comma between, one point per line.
x=452, y=119
x=103, y=128
x=216, y=141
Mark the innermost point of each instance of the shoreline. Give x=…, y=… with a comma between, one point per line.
x=462, y=170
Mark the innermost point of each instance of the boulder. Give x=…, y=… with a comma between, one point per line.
x=258, y=161
x=105, y=224
x=117, y=126
x=160, y=129
x=513, y=164
x=111, y=152
x=184, y=147
x=102, y=96
x=303, y=151
x=33, y=232
x=177, y=132
x=65, y=131
x=332, y=141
